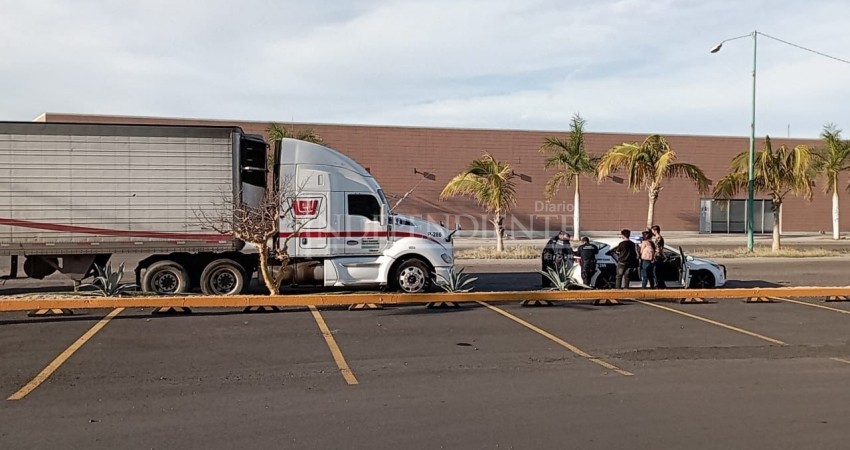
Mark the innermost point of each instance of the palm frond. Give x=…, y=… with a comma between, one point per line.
x=662, y=166
x=488, y=181
x=277, y=131
x=776, y=173
x=831, y=160
x=555, y=183
x=691, y=172
x=730, y=185
x=615, y=159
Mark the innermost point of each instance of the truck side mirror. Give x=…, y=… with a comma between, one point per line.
x=384, y=216
x=449, y=236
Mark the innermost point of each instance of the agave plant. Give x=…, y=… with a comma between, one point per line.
x=457, y=281
x=560, y=278
x=108, y=282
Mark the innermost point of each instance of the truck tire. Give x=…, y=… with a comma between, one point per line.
x=166, y=277
x=223, y=277
x=411, y=277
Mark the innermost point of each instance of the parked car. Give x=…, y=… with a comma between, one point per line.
x=678, y=269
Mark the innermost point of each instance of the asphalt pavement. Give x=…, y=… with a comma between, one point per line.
x=721, y=375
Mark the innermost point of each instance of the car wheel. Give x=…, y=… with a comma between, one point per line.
x=412, y=277
x=605, y=280
x=702, y=280
x=166, y=277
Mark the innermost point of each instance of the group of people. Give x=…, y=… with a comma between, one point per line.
x=645, y=257
x=559, y=254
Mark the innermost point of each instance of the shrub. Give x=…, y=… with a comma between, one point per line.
x=456, y=282
x=108, y=283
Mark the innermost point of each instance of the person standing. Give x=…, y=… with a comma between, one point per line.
x=557, y=255
x=587, y=252
x=627, y=259
x=647, y=260
x=658, y=239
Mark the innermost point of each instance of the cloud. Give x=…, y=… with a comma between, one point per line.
x=631, y=65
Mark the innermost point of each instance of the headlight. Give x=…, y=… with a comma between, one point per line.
x=446, y=258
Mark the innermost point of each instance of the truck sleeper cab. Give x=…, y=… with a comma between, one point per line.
x=338, y=229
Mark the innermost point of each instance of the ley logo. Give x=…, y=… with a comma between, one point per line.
x=306, y=208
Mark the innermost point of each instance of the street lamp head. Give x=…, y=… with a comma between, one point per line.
x=716, y=48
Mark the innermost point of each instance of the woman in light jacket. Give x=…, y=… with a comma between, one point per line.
x=647, y=260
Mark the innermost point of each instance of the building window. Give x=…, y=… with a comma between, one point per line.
x=730, y=216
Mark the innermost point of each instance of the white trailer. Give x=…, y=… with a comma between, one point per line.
x=72, y=195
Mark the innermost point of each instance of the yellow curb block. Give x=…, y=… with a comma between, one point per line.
x=245, y=301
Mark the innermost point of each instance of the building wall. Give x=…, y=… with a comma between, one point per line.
x=393, y=153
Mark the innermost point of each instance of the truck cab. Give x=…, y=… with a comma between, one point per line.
x=337, y=227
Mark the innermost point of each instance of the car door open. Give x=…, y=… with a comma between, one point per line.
x=685, y=270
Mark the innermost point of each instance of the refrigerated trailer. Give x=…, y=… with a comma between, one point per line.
x=73, y=195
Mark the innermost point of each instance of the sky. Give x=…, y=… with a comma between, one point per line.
x=636, y=66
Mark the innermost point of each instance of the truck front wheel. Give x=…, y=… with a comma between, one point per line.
x=223, y=277
x=412, y=277
x=166, y=277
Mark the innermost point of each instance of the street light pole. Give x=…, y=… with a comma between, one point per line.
x=751, y=160
x=751, y=183
x=751, y=180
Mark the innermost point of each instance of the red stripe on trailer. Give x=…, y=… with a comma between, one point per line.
x=111, y=232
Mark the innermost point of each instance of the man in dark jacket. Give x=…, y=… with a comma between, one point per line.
x=658, y=239
x=587, y=252
x=627, y=260
x=557, y=254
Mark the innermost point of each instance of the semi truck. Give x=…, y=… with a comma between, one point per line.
x=74, y=195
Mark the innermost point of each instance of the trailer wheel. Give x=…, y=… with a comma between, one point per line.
x=412, y=277
x=223, y=277
x=166, y=277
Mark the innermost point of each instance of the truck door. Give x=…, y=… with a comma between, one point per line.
x=311, y=214
x=365, y=232
x=305, y=219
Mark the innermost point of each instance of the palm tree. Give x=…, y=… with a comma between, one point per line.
x=831, y=161
x=777, y=173
x=490, y=183
x=648, y=165
x=572, y=161
x=277, y=132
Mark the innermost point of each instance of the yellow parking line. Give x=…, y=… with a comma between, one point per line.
x=812, y=305
x=840, y=360
x=558, y=340
x=714, y=322
x=45, y=374
x=334, y=348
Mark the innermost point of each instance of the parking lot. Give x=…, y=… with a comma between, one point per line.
x=725, y=374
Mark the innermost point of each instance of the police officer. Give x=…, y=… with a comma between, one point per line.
x=587, y=252
x=557, y=254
